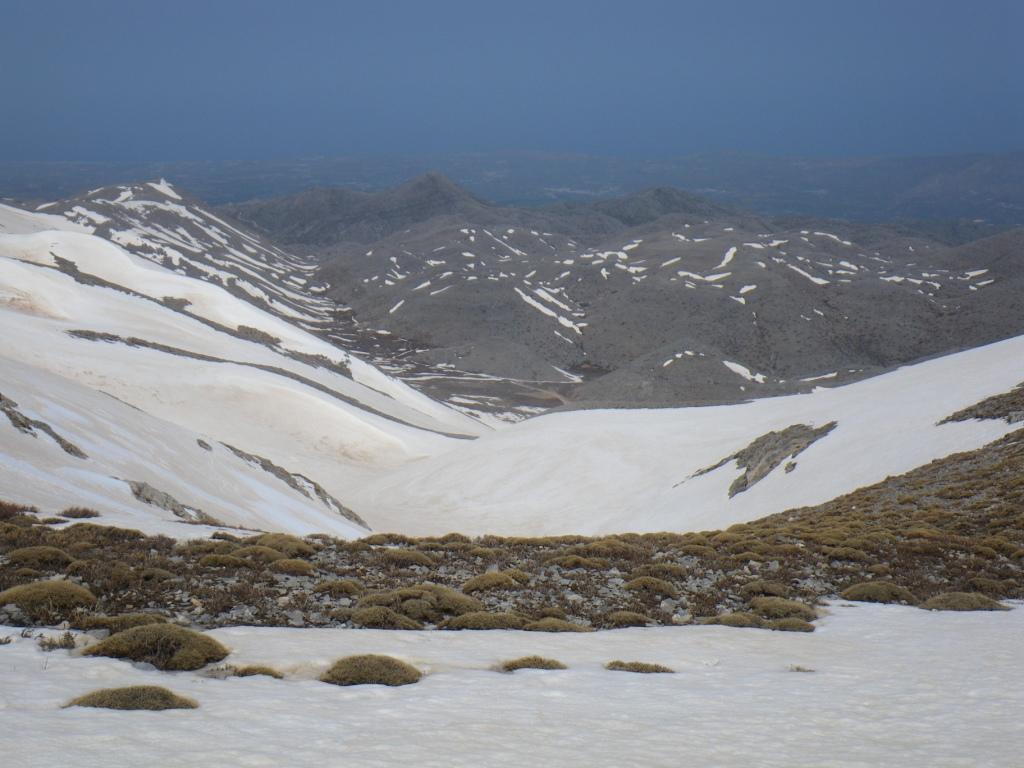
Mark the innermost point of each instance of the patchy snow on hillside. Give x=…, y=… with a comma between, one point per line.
x=891, y=687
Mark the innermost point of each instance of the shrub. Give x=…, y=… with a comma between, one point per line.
x=380, y=617
x=39, y=557
x=165, y=646
x=551, y=624
x=651, y=586
x=223, y=561
x=626, y=619
x=79, y=513
x=963, y=601
x=780, y=608
x=371, y=669
x=291, y=567
x=878, y=592
x=405, y=558
x=338, y=588
x=291, y=546
x=637, y=666
x=150, y=697
x=790, y=624
x=118, y=623
x=735, y=619
x=485, y=620
x=42, y=600
x=488, y=581
x=761, y=587
x=530, y=662
x=259, y=553
x=252, y=670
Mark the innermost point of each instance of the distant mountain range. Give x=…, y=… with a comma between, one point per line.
x=658, y=297
x=878, y=189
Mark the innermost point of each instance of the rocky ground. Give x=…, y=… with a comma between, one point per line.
x=952, y=526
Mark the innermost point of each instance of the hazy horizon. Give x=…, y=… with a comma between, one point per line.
x=119, y=82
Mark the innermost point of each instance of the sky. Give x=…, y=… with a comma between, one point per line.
x=223, y=80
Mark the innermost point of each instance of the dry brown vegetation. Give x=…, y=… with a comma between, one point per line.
x=956, y=525
x=530, y=662
x=151, y=697
x=165, y=646
x=371, y=669
x=637, y=666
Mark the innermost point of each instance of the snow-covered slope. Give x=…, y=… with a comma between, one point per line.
x=604, y=471
x=192, y=355
x=891, y=687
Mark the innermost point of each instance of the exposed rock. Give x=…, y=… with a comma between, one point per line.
x=146, y=493
x=23, y=423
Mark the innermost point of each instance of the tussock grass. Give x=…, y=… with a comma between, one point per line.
x=115, y=624
x=291, y=567
x=39, y=557
x=485, y=620
x=371, y=669
x=530, y=662
x=878, y=592
x=485, y=582
x=254, y=670
x=290, y=546
x=48, y=600
x=790, y=624
x=79, y=513
x=165, y=646
x=620, y=619
x=338, y=588
x=648, y=585
x=551, y=624
x=223, y=561
x=145, y=697
x=380, y=617
x=641, y=667
x=405, y=558
x=259, y=553
x=739, y=619
x=962, y=601
x=780, y=608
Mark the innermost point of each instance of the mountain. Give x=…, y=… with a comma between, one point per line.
x=175, y=390
x=659, y=297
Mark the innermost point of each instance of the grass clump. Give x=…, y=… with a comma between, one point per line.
x=43, y=600
x=165, y=646
x=371, y=669
x=485, y=620
x=115, y=624
x=530, y=662
x=405, y=558
x=551, y=624
x=790, y=624
x=223, y=561
x=290, y=546
x=291, y=567
x=259, y=553
x=573, y=562
x=963, y=601
x=148, y=697
x=39, y=557
x=79, y=513
x=780, y=608
x=637, y=666
x=254, y=670
x=381, y=617
x=619, y=619
x=488, y=581
x=739, y=619
x=651, y=586
x=338, y=588
x=761, y=587
x=878, y=592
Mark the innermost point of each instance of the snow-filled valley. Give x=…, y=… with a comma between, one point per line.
x=158, y=377
x=885, y=687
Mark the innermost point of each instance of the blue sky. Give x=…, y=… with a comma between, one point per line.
x=105, y=80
